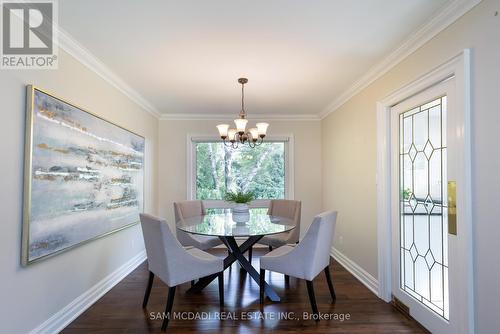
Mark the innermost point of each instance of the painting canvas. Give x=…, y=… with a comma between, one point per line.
x=84, y=176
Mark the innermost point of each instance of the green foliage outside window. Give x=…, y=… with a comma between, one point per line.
x=221, y=169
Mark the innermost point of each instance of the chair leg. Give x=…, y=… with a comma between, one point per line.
x=168, y=308
x=287, y=279
x=312, y=299
x=221, y=289
x=250, y=254
x=148, y=289
x=261, y=285
x=270, y=248
x=330, y=284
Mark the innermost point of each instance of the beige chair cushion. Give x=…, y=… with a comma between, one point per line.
x=171, y=262
x=289, y=209
x=310, y=256
x=188, y=209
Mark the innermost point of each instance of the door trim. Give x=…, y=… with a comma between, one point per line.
x=459, y=68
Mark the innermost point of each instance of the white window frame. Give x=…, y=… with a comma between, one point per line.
x=221, y=204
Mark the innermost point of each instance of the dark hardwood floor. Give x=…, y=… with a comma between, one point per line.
x=120, y=310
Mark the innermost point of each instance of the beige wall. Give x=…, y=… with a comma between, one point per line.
x=31, y=295
x=335, y=165
x=349, y=152
x=173, y=136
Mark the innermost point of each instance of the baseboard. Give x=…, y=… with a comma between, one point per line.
x=362, y=275
x=70, y=312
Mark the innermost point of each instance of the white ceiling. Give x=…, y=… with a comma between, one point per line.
x=185, y=56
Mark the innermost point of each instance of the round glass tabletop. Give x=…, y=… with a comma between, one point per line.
x=226, y=224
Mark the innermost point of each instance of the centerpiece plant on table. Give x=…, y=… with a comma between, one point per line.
x=241, y=199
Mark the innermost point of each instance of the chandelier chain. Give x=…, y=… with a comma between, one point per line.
x=242, y=112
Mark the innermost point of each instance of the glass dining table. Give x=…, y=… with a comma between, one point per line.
x=227, y=227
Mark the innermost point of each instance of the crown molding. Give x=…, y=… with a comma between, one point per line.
x=443, y=19
x=220, y=117
x=84, y=56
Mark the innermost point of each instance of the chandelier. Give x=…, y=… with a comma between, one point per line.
x=239, y=135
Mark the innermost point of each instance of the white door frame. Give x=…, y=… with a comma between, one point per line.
x=459, y=68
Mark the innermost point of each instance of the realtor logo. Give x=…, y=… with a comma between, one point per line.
x=28, y=35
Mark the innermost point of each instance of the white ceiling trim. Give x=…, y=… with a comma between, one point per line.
x=222, y=117
x=452, y=12
x=84, y=56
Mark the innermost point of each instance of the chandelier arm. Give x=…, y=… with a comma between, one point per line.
x=259, y=142
x=234, y=142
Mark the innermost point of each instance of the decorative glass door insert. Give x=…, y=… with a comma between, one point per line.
x=423, y=205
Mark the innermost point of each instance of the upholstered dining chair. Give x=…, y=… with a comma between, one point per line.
x=188, y=209
x=306, y=259
x=284, y=208
x=174, y=264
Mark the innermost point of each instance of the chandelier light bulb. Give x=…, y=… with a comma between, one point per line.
x=241, y=125
x=262, y=128
x=231, y=133
x=254, y=133
x=223, y=130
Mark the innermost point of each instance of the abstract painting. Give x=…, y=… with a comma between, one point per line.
x=84, y=176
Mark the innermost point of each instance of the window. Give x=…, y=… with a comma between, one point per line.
x=216, y=169
x=423, y=205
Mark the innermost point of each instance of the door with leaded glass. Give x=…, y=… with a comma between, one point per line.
x=427, y=275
